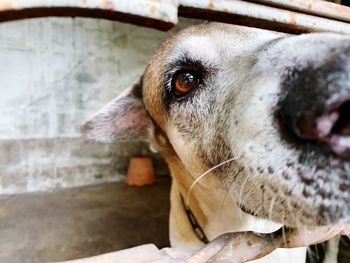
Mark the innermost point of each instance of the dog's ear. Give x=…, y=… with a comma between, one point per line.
x=124, y=118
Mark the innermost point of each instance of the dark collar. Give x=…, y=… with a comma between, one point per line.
x=197, y=229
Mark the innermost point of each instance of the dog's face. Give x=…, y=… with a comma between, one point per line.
x=277, y=104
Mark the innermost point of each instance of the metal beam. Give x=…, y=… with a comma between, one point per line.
x=264, y=16
x=293, y=16
x=313, y=7
x=159, y=14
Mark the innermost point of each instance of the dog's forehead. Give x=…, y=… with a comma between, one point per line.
x=196, y=47
x=209, y=43
x=213, y=42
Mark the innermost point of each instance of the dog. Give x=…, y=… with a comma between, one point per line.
x=254, y=126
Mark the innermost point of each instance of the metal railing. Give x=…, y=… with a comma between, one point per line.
x=294, y=16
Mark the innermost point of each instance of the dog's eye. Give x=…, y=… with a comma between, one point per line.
x=184, y=82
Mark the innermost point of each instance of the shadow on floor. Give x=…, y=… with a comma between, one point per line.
x=81, y=222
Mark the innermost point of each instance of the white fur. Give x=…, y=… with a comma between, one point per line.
x=245, y=89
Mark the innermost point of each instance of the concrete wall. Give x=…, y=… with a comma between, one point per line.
x=55, y=72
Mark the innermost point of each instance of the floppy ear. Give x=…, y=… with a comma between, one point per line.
x=124, y=118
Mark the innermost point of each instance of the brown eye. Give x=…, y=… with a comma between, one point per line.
x=185, y=82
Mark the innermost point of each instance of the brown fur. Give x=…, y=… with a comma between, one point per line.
x=232, y=115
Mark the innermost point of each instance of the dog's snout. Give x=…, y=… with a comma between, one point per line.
x=315, y=103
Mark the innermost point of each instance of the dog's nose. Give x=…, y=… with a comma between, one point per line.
x=315, y=103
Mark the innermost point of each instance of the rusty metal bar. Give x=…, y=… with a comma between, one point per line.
x=261, y=16
x=313, y=7
x=161, y=14
x=293, y=16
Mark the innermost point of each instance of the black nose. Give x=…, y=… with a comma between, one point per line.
x=315, y=103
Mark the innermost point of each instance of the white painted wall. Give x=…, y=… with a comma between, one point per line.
x=55, y=72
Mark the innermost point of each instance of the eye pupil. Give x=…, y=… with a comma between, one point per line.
x=185, y=82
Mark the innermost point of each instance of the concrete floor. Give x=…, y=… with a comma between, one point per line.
x=81, y=222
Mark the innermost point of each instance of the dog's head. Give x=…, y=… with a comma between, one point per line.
x=278, y=104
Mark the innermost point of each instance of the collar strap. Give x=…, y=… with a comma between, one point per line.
x=197, y=229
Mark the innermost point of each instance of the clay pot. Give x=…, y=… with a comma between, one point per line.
x=140, y=171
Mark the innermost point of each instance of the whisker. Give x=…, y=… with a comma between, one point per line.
x=229, y=190
x=248, y=195
x=283, y=230
x=204, y=174
x=311, y=254
x=291, y=211
x=271, y=207
x=241, y=190
x=258, y=210
x=225, y=196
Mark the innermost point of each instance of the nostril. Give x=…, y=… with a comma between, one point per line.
x=331, y=127
x=316, y=128
x=342, y=125
x=335, y=122
x=339, y=136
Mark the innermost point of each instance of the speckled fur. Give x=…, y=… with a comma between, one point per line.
x=234, y=114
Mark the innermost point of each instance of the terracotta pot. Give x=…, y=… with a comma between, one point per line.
x=140, y=171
